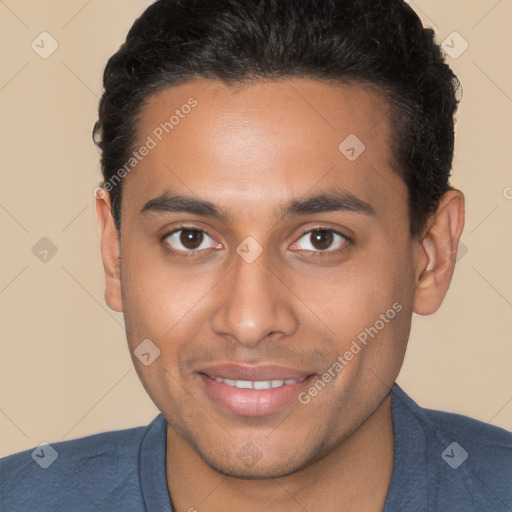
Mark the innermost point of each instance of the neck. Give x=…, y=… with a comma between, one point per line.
x=355, y=476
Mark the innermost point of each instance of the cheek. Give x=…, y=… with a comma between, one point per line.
x=158, y=306
x=165, y=307
x=156, y=297
x=368, y=305
x=357, y=293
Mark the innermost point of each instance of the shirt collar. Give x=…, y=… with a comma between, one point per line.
x=152, y=467
x=409, y=488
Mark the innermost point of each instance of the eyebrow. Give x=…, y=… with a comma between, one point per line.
x=328, y=202
x=167, y=203
x=318, y=203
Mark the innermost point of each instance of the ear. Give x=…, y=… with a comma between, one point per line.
x=110, y=250
x=437, y=252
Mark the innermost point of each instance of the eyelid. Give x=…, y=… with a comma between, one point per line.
x=184, y=252
x=348, y=240
x=181, y=227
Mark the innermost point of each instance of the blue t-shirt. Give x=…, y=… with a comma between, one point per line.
x=442, y=462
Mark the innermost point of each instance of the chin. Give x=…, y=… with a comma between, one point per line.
x=248, y=463
x=243, y=472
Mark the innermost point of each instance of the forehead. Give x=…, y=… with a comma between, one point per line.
x=263, y=141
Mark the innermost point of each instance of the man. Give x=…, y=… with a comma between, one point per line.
x=275, y=206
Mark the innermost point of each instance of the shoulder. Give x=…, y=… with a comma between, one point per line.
x=469, y=462
x=482, y=452
x=485, y=441
x=489, y=447
x=85, y=473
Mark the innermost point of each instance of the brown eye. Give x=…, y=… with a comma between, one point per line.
x=190, y=240
x=321, y=240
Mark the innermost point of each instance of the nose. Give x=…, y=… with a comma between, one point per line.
x=254, y=304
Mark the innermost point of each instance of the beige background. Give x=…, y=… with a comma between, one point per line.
x=64, y=366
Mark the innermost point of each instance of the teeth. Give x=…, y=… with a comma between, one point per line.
x=257, y=384
x=262, y=384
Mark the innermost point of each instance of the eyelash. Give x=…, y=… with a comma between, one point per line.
x=191, y=253
x=182, y=253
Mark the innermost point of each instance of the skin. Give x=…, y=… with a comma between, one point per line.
x=251, y=150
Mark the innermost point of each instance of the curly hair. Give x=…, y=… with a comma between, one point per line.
x=382, y=44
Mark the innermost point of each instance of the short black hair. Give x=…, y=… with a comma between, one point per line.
x=364, y=42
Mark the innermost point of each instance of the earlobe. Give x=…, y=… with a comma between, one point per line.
x=438, y=253
x=110, y=250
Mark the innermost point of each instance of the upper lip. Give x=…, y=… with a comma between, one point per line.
x=252, y=373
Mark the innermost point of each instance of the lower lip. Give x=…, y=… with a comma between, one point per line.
x=252, y=402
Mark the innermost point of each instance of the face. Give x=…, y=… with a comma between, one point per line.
x=255, y=249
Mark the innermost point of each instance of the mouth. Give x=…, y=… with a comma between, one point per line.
x=230, y=393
